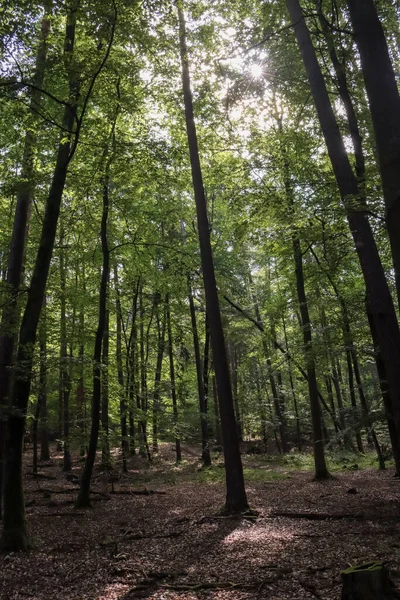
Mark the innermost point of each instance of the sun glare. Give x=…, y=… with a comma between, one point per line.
x=256, y=71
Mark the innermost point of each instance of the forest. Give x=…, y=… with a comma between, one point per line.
x=199, y=299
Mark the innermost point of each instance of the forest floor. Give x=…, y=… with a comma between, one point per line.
x=174, y=544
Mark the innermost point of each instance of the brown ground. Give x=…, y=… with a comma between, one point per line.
x=159, y=546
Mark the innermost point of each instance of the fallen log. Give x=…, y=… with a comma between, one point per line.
x=332, y=516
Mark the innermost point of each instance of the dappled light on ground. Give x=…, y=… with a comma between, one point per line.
x=175, y=544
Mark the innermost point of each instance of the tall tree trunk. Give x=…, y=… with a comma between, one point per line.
x=318, y=423
x=65, y=380
x=173, y=383
x=360, y=171
x=263, y=413
x=10, y=313
x=218, y=432
x=353, y=401
x=143, y=446
x=294, y=396
x=383, y=383
x=205, y=447
x=133, y=381
x=380, y=300
x=384, y=101
x=321, y=471
x=15, y=536
x=123, y=409
x=236, y=499
x=80, y=391
x=105, y=450
x=206, y=374
x=278, y=409
x=161, y=327
x=235, y=388
x=43, y=431
x=84, y=491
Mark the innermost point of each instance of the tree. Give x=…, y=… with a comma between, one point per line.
x=384, y=101
x=235, y=491
x=381, y=303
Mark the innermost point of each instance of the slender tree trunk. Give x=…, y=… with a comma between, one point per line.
x=294, y=396
x=122, y=397
x=279, y=415
x=353, y=401
x=236, y=499
x=144, y=446
x=384, y=101
x=161, y=327
x=235, y=389
x=65, y=380
x=218, y=432
x=380, y=300
x=15, y=535
x=173, y=383
x=80, y=391
x=205, y=446
x=321, y=471
x=206, y=376
x=263, y=413
x=105, y=451
x=43, y=431
x=84, y=492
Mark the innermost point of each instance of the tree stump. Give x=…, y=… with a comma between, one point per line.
x=369, y=581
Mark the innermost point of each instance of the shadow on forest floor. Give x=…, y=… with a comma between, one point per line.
x=173, y=545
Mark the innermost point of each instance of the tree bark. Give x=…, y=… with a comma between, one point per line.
x=123, y=409
x=161, y=327
x=84, y=491
x=43, y=431
x=65, y=379
x=321, y=471
x=236, y=499
x=384, y=101
x=205, y=447
x=105, y=450
x=173, y=383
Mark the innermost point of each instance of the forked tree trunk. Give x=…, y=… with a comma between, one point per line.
x=236, y=499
